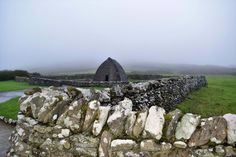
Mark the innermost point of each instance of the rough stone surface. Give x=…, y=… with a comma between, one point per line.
x=101, y=121
x=231, y=128
x=172, y=119
x=130, y=122
x=187, y=126
x=230, y=151
x=150, y=145
x=154, y=122
x=213, y=129
x=140, y=123
x=116, y=121
x=220, y=150
x=120, y=144
x=105, y=144
x=91, y=113
x=180, y=144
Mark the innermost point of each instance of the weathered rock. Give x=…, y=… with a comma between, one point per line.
x=231, y=128
x=40, y=103
x=32, y=91
x=142, y=86
x=61, y=154
x=187, y=126
x=120, y=144
x=140, y=123
x=87, y=93
x=46, y=109
x=180, y=144
x=166, y=146
x=230, y=151
x=51, y=146
x=172, y=119
x=84, y=145
x=116, y=91
x=42, y=129
x=105, y=144
x=73, y=117
x=125, y=106
x=213, y=129
x=91, y=113
x=220, y=150
x=130, y=123
x=149, y=145
x=116, y=122
x=130, y=153
x=205, y=152
x=154, y=123
x=179, y=153
x=101, y=121
x=65, y=144
x=104, y=95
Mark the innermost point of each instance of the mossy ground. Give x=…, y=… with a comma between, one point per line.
x=218, y=98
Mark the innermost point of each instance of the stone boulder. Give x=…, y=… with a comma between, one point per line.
x=154, y=123
x=140, y=123
x=122, y=144
x=187, y=126
x=172, y=119
x=91, y=113
x=231, y=128
x=116, y=121
x=98, y=124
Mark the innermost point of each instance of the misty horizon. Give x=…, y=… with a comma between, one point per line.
x=46, y=34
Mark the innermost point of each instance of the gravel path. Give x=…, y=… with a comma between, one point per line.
x=5, y=132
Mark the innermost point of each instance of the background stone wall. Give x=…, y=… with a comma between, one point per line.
x=61, y=122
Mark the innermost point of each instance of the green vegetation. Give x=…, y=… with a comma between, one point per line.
x=6, y=86
x=216, y=99
x=10, y=75
x=10, y=108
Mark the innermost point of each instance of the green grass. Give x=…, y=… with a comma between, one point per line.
x=6, y=86
x=216, y=99
x=10, y=108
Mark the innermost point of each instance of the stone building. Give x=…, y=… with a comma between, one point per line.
x=110, y=70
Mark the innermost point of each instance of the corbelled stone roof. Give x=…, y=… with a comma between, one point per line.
x=110, y=70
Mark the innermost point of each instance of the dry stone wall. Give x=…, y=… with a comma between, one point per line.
x=75, y=122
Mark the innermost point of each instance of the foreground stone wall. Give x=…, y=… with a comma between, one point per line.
x=61, y=122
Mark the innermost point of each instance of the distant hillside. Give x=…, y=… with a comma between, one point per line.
x=181, y=69
x=145, y=68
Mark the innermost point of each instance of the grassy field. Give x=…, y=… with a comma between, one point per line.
x=10, y=108
x=13, y=86
x=216, y=99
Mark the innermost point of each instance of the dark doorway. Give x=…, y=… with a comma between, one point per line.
x=107, y=78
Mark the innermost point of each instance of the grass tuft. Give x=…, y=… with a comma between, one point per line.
x=10, y=108
x=218, y=98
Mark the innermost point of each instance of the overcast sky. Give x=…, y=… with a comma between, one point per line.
x=40, y=33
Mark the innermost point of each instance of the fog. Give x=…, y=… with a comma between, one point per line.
x=65, y=33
